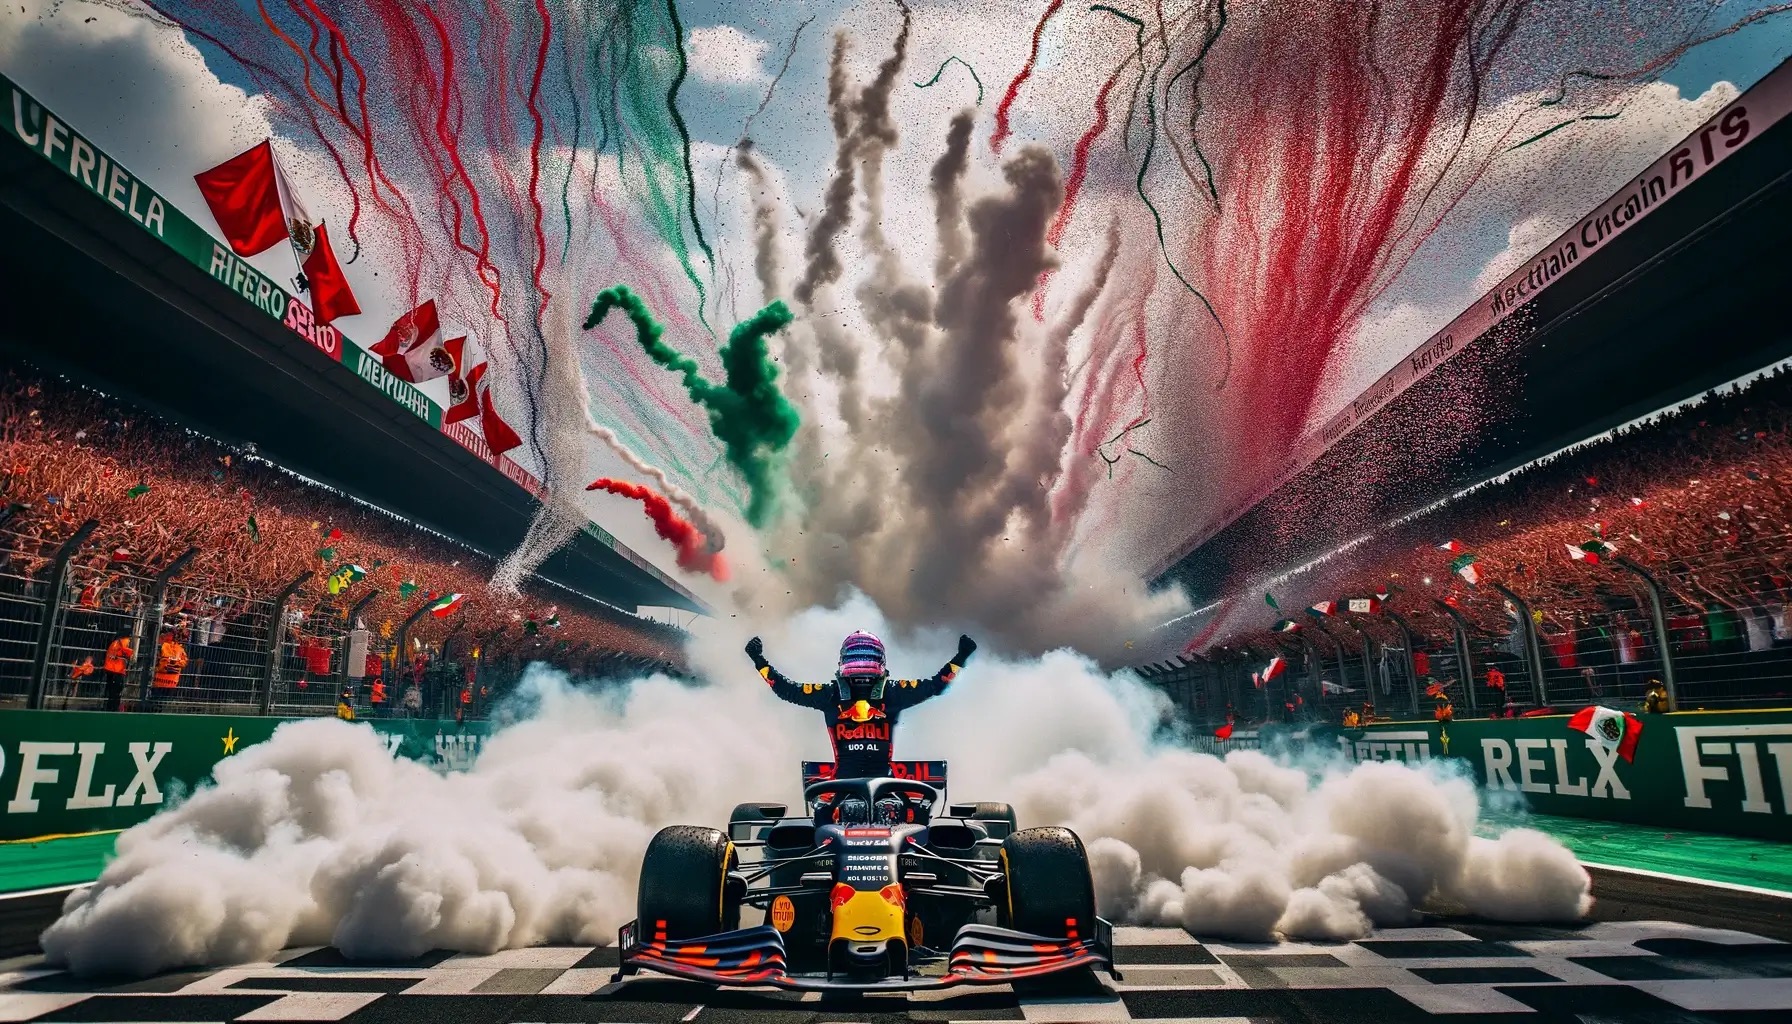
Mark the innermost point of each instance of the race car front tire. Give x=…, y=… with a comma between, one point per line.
x=684, y=882
x=1049, y=888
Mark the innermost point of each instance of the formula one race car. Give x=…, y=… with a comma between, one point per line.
x=852, y=891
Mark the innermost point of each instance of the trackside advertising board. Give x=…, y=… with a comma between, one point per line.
x=1708, y=771
x=1728, y=132
x=37, y=128
x=69, y=772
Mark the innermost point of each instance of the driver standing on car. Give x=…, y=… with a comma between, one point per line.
x=863, y=702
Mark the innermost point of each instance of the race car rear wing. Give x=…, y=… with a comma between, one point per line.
x=931, y=772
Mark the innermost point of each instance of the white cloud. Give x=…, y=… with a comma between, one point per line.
x=136, y=87
x=724, y=55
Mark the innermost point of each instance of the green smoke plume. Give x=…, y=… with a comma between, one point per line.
x=747, y=413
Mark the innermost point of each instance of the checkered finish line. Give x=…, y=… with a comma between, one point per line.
x=1614, y=971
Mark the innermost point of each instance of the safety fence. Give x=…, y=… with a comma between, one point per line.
x=83, y=629
x=1714, y=635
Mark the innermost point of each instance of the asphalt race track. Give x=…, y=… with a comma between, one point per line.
x=1659, y=950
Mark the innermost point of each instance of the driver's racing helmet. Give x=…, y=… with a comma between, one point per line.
x=861, y=674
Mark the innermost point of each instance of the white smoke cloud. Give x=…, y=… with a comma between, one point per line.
x=320, y=836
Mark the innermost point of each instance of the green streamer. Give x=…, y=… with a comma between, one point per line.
x=942, y=70
x=747, y=413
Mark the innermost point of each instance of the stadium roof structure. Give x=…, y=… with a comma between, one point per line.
x=1683, y=296
x=138, y=302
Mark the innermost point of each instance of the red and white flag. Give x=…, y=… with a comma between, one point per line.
x=498, y=435
x=1277, y=665
x=1224, y=732
x=330, y=293
x=446, y=605
x=1613, y=730
x=1591, y=557
x=1454, y=547
x=1324, y=608
x=468, y=366
x=412, y=350
x=243, y=194
x=1365, y=605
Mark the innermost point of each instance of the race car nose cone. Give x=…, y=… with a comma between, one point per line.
x=868, y=953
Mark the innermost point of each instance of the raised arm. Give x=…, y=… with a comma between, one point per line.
x=809, y=695
x=905, y=693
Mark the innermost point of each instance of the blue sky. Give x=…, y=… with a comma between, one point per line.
x=158, y=135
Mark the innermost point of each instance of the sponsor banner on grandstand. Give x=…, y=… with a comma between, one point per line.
x=464, y=435
x=1731, y=129
x=68, y=772
x=75, y=155
x=369, y=368
x=522, y=477
x=1717, y=771
x=302, y=322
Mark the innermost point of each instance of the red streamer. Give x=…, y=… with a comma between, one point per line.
x=693, y=550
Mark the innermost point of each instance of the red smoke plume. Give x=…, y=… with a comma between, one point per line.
x=693, y=551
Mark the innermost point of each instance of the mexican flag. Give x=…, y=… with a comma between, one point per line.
x=1324, y=608
x=468, y=362
x=1464, y=566
x=499, y=436
x=1454, y=547
x=244, y=194
x=1588, y=553
x=412, y=349
x=331, y=297
x=1613, y=730
x=1277, y=665
x=447, y=605
x=1287, y=626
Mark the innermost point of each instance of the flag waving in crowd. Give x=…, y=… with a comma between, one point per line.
x=1613, y=730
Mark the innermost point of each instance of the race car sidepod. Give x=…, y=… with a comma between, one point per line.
x=980, y=955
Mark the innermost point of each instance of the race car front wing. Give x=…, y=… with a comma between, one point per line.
x=980, y=955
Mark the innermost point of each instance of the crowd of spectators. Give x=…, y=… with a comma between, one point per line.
x=1698, y=498
x=69, y=454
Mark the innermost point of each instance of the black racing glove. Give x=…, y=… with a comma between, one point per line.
x=756, y=651
x=966, y=648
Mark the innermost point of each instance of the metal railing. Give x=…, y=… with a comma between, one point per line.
x=1715, y=631
x=82, y=629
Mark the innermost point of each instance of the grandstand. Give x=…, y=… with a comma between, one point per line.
x=1679, y=303
x=267, y=577
x=189, y=460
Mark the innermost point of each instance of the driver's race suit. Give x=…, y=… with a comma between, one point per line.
x=862, y=731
